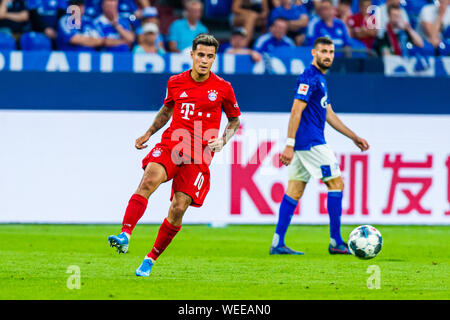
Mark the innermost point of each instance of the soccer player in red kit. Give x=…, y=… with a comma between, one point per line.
x=195, y=100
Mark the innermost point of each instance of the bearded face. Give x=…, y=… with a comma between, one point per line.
x=324, y=55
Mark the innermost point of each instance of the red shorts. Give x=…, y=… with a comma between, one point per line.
x=189, y=178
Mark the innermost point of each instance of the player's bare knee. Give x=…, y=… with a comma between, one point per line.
x=151, y=180
x=180, y=203
x=295, y=189
x=340, y=184
x=335, y=184
x=149, y=183
x=176, y=213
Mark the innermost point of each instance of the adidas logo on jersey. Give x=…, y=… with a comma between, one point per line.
x=183, y=95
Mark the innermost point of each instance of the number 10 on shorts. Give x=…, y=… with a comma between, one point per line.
x=199, y=180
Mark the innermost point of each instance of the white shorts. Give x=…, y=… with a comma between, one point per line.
x=318, y=162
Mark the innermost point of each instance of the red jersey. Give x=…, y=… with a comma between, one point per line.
x=357, y=21
x=197, y=111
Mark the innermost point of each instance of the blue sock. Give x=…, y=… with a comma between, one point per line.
x=334, y=204
x=287, y=208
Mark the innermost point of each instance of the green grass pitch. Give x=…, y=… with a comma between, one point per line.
x=220, y=263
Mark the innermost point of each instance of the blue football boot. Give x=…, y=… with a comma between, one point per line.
x=145, y=268
x=339, y=249
x=120, y=242
x=284, y=250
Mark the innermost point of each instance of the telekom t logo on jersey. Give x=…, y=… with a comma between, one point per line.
x=187, y=109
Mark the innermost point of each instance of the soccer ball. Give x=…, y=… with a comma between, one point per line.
x=365, y=242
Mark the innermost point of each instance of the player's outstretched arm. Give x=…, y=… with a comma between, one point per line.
x=334, y=121
x=163, y=116
x=294, y=121
x=217, y=144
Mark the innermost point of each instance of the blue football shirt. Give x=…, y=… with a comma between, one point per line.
x=268, y=43
x=294, y=13
x=67, y=29
x=183, y=34
x=311, y=88
x=338, y=32
x=107, y=30
x=93, y=8
x=48, y=10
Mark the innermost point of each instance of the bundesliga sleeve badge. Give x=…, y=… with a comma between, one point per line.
x=303, y=89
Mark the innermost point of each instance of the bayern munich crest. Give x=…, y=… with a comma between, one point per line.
x=212, y=95
x=156, y=153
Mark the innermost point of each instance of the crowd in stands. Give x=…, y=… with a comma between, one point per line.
x=254, y=27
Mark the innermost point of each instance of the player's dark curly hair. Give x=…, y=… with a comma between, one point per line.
x=322, y=40
x=206, y=40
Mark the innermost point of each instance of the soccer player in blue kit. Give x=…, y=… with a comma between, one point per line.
x=307, y=153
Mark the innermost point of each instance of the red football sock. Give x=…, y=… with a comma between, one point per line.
x=165, y=235
x=135, y=210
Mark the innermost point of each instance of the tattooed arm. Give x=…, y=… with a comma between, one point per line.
x=217, y=144
x=163, y=116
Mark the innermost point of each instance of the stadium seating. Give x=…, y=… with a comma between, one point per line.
x=7, y=41
x=217, y=17
x=444, y=49
x=35, y=41
x=427, y=50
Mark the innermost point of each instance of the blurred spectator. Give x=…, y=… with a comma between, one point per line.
x=434, y=23
x=183, y=31
x=314, y=9
x=296, y=15
x=275, y=38
x=398, y=34
x=363, y=25
x=238, y=44
x=93, y=8
x=250, y=14
x=128, y=9
x=314, y=6
x=382, y=14
x=78, y=34
x=344, y=10
x=413, y=8
x=355, y=3
x=45, y=14
x=326, y=25
x=115, y=29
x=146, y=3
x=150, y=15
x=147, y=40
x=13, y=16
x=133, y=9
x=141, y=5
